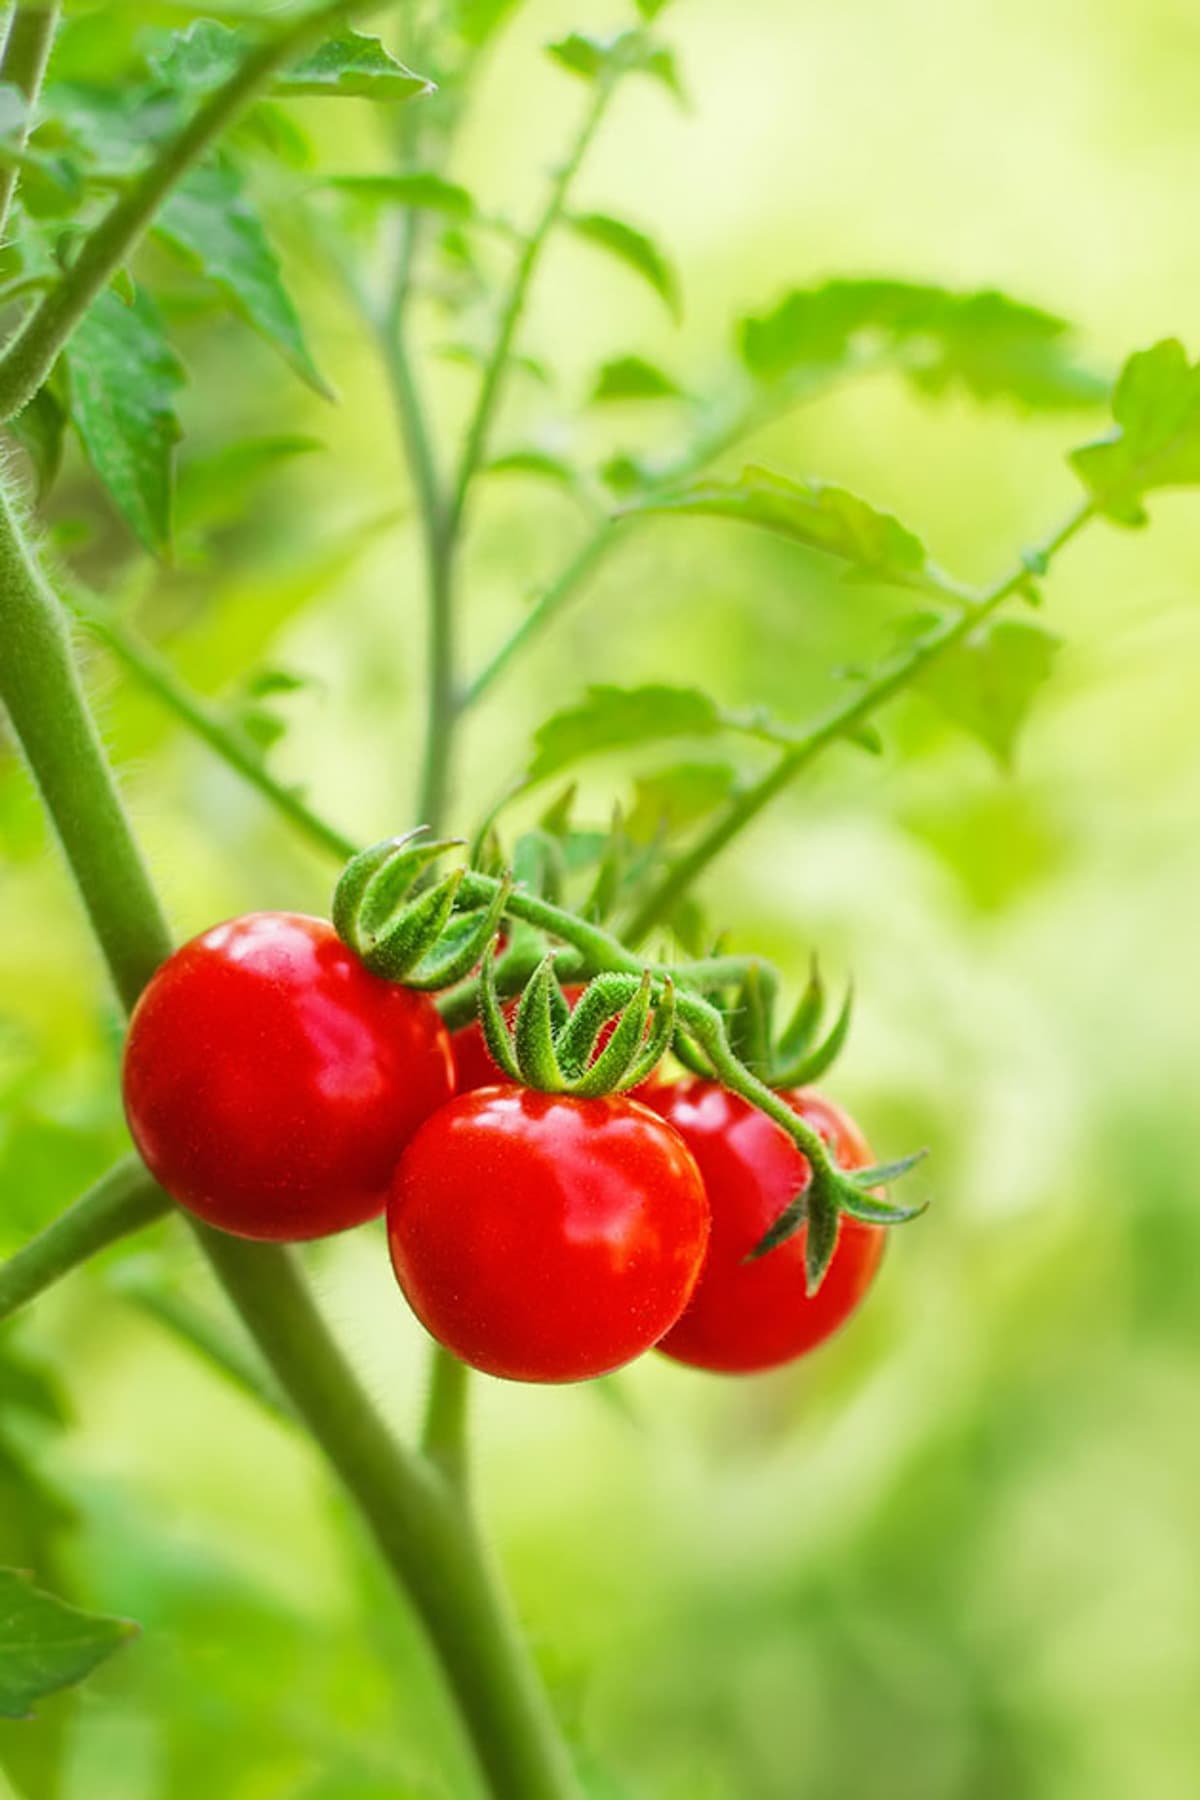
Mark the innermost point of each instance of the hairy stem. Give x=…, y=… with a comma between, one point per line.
x=40, y=687
x=421, y=1527
x=121, y=1202
x=157, y=675
x=892, y=679
x=30, y=355
x=23, y=65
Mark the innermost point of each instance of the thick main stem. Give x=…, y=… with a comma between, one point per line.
x=417, y=1518
x=26, y=53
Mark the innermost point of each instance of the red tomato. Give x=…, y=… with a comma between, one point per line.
x=544, y=1238
x=271, y=1082
x=754, y=1315
x=473, y=1065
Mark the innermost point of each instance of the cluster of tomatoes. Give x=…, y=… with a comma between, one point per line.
x=278, y=1090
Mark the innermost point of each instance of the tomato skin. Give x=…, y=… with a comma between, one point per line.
x=271, y=1082
x=749, y=1316
x=544, y=1238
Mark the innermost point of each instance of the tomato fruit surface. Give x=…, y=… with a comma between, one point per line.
x=271, y=1082
x=746, y=1316
x=545, y=1238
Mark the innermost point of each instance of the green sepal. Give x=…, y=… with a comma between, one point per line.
x=541, y=1014
x=691, y=1055
x=820, y=1235
x=662, y=1034
x=496, y=1034
x=407, y=933
x=549, y=1047
x=397, y=949
x=606, y=889
x=751, y=1020
x=538, y=864
x=810, y=1066
x=612, y=1067
x=819, y=1204
x=796, y=1038
x=463, y=942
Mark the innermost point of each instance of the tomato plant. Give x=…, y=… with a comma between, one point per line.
x=283, y=1076
x=545, y=1238
x=271, y=1082
x=755, y=1312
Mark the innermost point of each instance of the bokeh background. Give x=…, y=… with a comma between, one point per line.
x=956, y=1554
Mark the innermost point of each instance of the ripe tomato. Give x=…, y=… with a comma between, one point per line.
x=271, y=1082
x=544, y=1238
x=754, y=1315
x=473, y=1065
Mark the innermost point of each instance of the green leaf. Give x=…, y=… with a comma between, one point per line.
x=349, y=65
x=985, y=342
x=634, y=249
x=633, y=378
x=477, y=20
x=46, y=1645
x=539, y=463
x=582, y=54
x=988, y=683
x=123, y=377
x=1156, y=443
x=201, y=58
x=210, y=223
x=672, y=799
x=875, y=544
x=613, y=718
x=632, y=51
x=214, y=488
x=353, y=67
x=420, y=188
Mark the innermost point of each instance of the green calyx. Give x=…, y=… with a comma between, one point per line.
x=420, y=935
x=799, y=1053
x=557, y=1050
x=829, y=1192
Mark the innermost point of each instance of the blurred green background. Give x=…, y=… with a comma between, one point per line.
x=955, y=1555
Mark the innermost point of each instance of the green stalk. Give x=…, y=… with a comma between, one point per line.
x=31, y=354
x=121, y=1202
x=491, y=388
x=23, y=65
x=158, y=677
x=891, y=680
x=418, y=1521
x=40, y=687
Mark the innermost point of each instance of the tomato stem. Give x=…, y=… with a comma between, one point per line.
x=444, y=1433
x=120, y=1203
x=26, y=52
